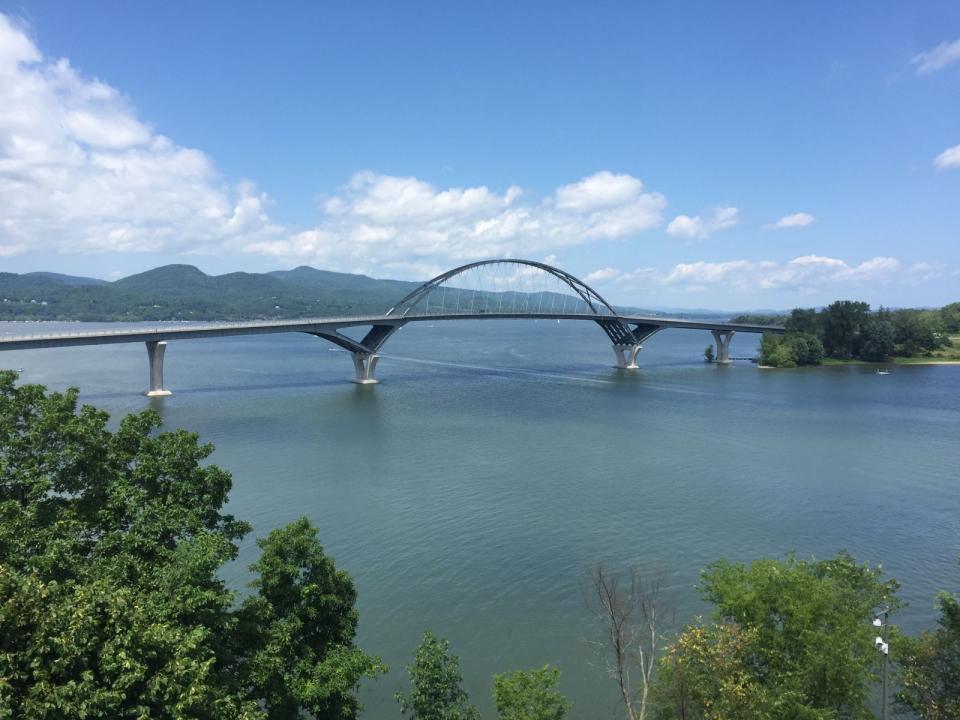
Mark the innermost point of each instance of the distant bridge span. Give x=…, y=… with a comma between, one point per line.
x=578, y=302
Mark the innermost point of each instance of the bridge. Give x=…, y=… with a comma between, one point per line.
x=484, y=290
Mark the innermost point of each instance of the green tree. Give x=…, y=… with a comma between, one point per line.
x=775, y=352
x=929, y=666
x=791, y=639
x=805, y=349
x=813, y=649
x=708, y=354
x=842, y=324
x=299, y=630
x=707, y=674
x=110, y=600
x=877, y=343
x=950, y=315
x=436, y=684
x=918, y=331
x=529, y=695
x=804, y=320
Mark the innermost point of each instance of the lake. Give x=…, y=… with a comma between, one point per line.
x=470, y=491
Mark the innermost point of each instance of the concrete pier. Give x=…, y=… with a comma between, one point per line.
x=722, y=339
x=155, y=351
x=364, y=364
x=626, y=355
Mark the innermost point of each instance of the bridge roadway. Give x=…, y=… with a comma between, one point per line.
x=365, y=351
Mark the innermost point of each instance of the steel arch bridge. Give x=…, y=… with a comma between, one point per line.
x=483, y=290
x=587, y=301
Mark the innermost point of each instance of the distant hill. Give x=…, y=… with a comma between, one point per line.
x=183, y=292
x=66, y=279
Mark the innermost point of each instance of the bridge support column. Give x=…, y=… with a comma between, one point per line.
x=365, y=364
x=626, y=355
x=155, y=350
x=722, y=339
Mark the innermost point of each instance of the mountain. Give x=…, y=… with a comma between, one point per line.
x=183, y=292
x=65, y=279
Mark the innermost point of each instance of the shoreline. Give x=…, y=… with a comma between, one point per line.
x=840, y=363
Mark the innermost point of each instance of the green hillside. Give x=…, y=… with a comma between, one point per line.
x=182, y=292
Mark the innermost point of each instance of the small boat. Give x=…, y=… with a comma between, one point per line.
x=883, y=372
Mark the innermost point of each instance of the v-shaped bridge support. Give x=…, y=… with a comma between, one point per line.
x=363, y=352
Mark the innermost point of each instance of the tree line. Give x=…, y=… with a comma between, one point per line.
x=111, y=606
x=849, y=330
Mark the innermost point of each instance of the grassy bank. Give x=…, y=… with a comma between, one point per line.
x=945, y=356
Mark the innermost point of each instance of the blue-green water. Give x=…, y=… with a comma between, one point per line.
x=496, y=461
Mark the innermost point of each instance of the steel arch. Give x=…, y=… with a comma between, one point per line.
x=587, y=293
x=617, y=330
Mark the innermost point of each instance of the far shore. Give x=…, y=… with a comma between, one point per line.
x=831, y=362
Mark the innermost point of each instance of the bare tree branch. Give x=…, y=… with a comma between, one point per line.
x=627, y=609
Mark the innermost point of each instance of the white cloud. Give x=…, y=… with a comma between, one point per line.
x=607, y=273
x=697, y=228
x=401, y=225
x=949, y=158
x=79, y=172
x=807, y=273
x=802, y=273
x=686, y=226
x=796, y=220
x=946, y=53
x=603, y=189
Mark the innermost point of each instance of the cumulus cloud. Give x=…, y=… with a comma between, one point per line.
x=79, y=172
x=607, y=273
x=946, y=53
x=697, y=228
x=796, y=220
x=807, y=273
x=802, y=273
x=408, y=227
x=949, y=158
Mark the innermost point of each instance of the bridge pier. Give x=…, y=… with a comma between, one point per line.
x=626, y=355
x=722, y=339
x=155, y=350
x=364, y=364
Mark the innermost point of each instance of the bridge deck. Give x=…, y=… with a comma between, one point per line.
x=312, y=325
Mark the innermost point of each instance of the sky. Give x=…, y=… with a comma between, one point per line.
x=710, y=155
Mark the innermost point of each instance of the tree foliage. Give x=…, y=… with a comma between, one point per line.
x=436, y=684
x=848, y=330
x=804, y=320
x=878, y=341
x=950, y=315
x=843, y=323
x=706, y=674
x=110, y=602
x=929, y=666
x=790, y=350
x=792, y=639
x=300, y=626
x=529, y=695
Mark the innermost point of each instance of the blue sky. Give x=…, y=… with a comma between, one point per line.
x=707, y=154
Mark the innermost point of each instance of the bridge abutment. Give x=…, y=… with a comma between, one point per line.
x=722, y=339
x=626, y=355
x=155, y=351
x=364, y=364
